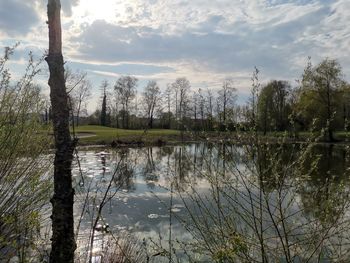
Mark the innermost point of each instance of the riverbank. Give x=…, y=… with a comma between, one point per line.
x=98, y=135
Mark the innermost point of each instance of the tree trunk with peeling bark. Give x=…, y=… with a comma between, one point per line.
x=63, y=242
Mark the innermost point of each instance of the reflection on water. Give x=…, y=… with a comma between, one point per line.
x=139, y=198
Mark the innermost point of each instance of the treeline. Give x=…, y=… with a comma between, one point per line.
x=321, y=99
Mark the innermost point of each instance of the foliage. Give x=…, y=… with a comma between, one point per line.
x=23, y=189
x=321, y=96
x=104, y=104
x=274, y=107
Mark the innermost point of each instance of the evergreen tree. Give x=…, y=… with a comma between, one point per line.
x=104, y=104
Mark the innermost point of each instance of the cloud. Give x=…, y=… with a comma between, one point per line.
x=203, y=40
x=67, y=6
x=17, y=17
x=214, y=49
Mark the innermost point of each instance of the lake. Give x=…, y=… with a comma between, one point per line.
x=231, y=203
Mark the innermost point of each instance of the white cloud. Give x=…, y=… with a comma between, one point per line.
x=204, y=40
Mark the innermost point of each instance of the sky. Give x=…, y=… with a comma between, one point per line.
x=203, y=40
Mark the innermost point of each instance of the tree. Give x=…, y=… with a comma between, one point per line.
x=194, y=109
x=273, y=107
x=201, y=107
x=167, y=95
x=253, y=100
x=104, y=104
x=181, y=86
x=63, y=241
x=226, y=99
x=346, y=107
x=151, y=100
x=210, y=109
x=47, y=110
x=79, y=90
x=126, y=90
x=321, y=92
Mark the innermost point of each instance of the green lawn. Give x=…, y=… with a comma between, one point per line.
x=107, y=134
x=94, y=134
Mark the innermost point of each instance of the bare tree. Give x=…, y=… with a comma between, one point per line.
x=73, y=79
x=210, y=108
x=201, y=107
x=126, y=90
x=181, y=86
x=79, y=90
x=63, y=242
x=194, y=108
x=47, y=109
x=167, y=95
x=226, y=98
x=151, y=100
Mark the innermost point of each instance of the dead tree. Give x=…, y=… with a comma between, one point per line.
x=63, y=242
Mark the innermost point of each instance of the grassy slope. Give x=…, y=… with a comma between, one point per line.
x=107, y=134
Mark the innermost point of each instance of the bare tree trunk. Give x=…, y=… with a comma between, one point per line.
x=78, y=112
x=329, y=114
x=63, y=242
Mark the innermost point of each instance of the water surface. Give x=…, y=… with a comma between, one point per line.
x=148, y=187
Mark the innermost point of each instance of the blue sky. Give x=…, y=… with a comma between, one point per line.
x=203, y=40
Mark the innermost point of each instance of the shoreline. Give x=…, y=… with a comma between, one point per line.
x=154, y=141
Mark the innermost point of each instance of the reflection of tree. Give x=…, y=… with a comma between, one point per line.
x=166, y=151
x=125, y=173
x=103, y=162
x=251, y=211
x=182, y=168
x=325, y=192
x=257, y=202
x=271, y=161
x=148, y=170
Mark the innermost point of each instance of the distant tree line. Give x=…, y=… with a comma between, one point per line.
x=321, y=99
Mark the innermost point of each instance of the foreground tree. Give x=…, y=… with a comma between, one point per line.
x=63, y=242
x=23, y=145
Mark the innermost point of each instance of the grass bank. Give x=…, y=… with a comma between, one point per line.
x=93, y=134
x=100, y=135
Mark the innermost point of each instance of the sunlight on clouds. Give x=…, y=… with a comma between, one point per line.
x=203, y=40
x=91, y=10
